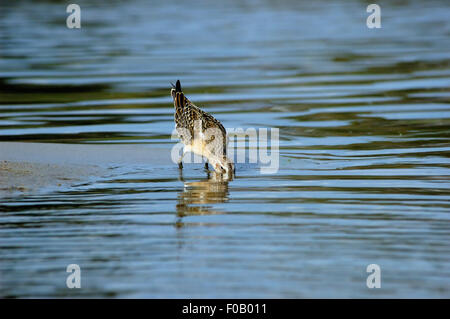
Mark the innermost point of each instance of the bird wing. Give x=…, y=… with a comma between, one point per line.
x=181, y=119
x=186, y=116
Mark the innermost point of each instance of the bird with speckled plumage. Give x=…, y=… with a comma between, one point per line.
x=200, y=132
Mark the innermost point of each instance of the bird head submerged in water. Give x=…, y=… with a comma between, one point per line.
x=200, y=132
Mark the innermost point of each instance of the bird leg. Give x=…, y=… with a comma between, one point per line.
x=180, y=175
x=180, y=160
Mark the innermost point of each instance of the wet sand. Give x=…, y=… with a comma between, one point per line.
x=35, y=167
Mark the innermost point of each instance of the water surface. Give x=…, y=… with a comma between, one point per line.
x=364, y=119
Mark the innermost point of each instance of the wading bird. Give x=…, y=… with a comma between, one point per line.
x=200, y=133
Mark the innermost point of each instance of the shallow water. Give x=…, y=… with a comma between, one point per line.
x=364, y=119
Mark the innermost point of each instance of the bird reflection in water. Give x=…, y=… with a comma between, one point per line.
x=196, y=196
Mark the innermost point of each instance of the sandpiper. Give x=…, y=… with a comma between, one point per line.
x=200, y=133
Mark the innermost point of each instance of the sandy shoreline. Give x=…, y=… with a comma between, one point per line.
x=34, y=167
x=28, y=177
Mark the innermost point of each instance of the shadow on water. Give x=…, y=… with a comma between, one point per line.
x=196, y=197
